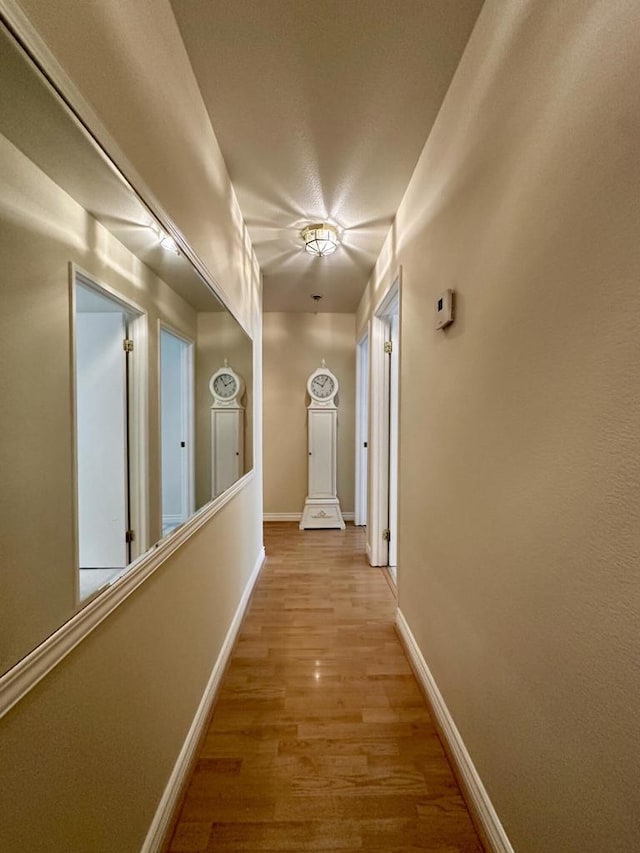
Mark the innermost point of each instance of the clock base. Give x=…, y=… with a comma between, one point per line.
x=321, y=513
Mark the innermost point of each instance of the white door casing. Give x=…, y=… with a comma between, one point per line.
x=379, y=422
x=394, y=414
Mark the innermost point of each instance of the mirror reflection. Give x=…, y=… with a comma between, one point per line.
x=113, y=433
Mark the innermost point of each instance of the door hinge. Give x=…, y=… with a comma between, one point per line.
x=388, y=347
x=386, y=535
x=127, y=345
x=130, y=536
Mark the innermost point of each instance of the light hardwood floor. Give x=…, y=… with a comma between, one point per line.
x=320, y=739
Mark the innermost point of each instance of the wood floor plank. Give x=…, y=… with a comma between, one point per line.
x=320, y=739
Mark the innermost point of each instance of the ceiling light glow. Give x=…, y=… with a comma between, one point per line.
x=320, y=239
x=169, y=244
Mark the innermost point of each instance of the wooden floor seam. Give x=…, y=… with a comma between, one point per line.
x=320, y=738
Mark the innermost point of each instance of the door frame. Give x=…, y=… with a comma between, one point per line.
x=138, y=405
x=379, y=433
x=362, y=429
x=190, y=414
x=394, y=424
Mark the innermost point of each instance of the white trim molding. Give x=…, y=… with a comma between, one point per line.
x=21, y=678
x=482, y=806
x=162, y=820
x=296, y=516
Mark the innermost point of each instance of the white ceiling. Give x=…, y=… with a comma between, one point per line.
x=321, y=110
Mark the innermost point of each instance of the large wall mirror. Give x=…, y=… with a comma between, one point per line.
x=109, y=342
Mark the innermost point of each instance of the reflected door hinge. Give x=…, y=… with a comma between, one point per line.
x=127, y=345
x=130, y=536
x=386, y=535
x=388, y=347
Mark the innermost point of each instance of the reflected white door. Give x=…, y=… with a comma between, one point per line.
x=101, y=411
x=175, y=410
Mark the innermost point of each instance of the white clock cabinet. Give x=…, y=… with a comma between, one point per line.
x=322, y=507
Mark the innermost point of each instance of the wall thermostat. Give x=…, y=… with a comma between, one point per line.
x=444, y=309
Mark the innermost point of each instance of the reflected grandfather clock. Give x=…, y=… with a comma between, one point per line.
x=227, y=429
x=322, y=507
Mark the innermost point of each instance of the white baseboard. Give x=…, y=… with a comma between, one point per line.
x=296, y=516
x=484, y=810
x=156, y=837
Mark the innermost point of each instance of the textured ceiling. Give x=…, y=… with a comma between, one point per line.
x=321, y=110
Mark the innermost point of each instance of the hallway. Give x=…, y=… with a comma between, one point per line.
x=320, y=738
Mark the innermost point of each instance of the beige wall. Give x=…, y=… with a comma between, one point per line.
x=94, y=743
x=519, y=525
x=293, y=347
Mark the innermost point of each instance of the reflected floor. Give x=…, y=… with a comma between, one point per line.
x=91, y=580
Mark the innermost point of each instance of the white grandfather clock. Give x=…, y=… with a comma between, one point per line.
x=227, y=429
x=322, y=507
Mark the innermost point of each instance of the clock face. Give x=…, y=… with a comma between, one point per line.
x=225, y=385
x=322, y=386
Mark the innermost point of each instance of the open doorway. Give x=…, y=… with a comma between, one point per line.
x=104, y=430
x=176, y=429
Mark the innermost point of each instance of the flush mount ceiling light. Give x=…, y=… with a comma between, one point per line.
x=166, y=241
x=320, y=239
x=169, y=244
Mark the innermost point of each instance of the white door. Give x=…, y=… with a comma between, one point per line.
x=175, y=429
x=101, y=412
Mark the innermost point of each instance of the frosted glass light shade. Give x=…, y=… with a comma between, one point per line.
x=320, y=239
x=169, y=244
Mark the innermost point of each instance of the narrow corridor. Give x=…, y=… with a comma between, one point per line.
x=320, y=738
